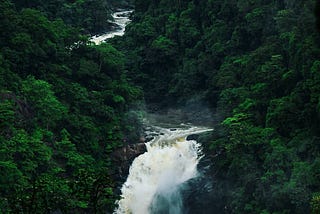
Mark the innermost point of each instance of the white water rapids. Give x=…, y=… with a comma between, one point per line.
x=121, y=19
x=156, y=177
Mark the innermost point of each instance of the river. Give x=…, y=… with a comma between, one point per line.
x=121, y=19
x=167, y=175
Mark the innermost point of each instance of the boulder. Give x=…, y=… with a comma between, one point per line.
x=124, y=156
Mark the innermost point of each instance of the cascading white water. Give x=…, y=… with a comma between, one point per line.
x=121, y=19
x=156, y=177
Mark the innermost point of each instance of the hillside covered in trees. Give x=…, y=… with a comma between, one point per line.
x=64, y=102
x=256, y=63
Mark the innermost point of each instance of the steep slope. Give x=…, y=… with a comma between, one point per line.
x=257, y=64
x=63, y=110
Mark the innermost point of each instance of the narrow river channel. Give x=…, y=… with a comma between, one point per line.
x=121, y=19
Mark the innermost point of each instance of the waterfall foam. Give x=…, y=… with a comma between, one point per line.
x=156, y=177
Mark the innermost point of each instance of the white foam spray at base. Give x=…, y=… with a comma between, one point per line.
x=156, y=176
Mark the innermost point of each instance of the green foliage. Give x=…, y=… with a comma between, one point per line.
x=257, y=64
x=90, y=15
x=315, y=204
x=39, y=95
x=163, y=46
x=62, y=100
x=110, y=58
x=6, y=115
x=188, y=31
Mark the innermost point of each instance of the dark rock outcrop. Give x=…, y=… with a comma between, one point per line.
x=124, y=156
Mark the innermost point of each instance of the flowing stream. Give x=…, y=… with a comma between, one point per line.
x=157, y=178
x=121, y=19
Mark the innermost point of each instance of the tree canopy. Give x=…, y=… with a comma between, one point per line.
x=256, y=63
x=65, y=102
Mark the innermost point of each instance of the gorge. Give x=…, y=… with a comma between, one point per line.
x=158, y=176
x=73, y=107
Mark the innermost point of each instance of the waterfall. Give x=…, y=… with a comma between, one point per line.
x=157, y=177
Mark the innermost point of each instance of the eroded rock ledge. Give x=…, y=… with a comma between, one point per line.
x=124, y=156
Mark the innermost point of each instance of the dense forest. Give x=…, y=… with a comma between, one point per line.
x=65, y=103
x=63, y=110
x=256, y=63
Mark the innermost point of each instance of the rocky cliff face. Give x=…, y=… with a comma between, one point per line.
x=124, y=156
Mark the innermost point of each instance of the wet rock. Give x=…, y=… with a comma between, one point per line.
x=148, y=138
x=124, y=156
x=193, y=137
